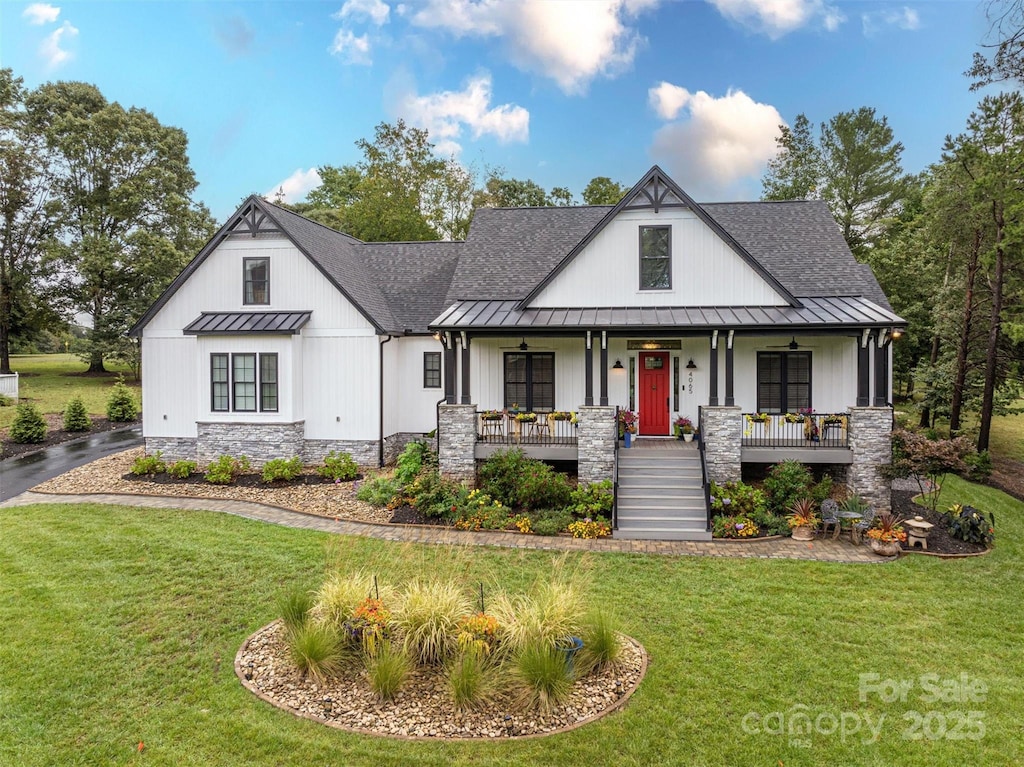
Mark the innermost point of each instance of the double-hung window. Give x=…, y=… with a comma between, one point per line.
x=530, y=381
x=431, y=370
x=255, y=280
x=783, y=382
x=655, y=257
x=243, y=383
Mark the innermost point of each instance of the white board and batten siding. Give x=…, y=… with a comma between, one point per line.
x=328, y=374
x=409, y=406
x=705, y=270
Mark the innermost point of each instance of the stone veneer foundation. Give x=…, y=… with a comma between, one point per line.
x=721, y=429
x=871, y=445
x=456, y=442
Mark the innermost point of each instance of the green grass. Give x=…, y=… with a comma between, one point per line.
x=120, y=625
x=1007, y=437
x=50, y=381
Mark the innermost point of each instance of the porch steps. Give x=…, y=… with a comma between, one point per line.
x=660, y=495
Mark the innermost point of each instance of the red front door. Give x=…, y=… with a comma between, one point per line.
x=654, y=393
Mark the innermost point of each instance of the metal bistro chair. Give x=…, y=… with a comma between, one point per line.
x=864, y=524
x=829, y=516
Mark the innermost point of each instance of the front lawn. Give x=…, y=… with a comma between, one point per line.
x=119, y=626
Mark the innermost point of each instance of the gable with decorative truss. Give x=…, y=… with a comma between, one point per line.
x=253, y=221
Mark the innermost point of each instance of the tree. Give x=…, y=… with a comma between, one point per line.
x=1007, y=60
x=862, y=180
x=795, y=172
x=124, y=185
x=27, y=220
x=501, y=192
x=601, y=190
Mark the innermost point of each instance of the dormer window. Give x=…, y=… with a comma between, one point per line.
x=256, y=280
x=655, y=258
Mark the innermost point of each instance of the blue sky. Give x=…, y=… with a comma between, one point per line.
x=558, y=91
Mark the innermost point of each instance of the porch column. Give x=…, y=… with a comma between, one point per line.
x=713, y=372
x=881, y=372
x=588, y=371
x=465, y=369
x=449, y=369
x=730, y=398
x=863, y=371
x=604, y=367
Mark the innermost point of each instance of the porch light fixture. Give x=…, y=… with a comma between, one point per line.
x=618, y=365
x=691, y=365
x=523, y=346
x=896, y=333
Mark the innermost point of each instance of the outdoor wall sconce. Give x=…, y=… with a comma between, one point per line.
x=617, y=365
x=691, y=365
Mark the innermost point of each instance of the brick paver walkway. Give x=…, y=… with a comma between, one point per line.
x=824, y=550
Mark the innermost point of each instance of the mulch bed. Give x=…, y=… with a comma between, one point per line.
x=243, y=480
x=407, y=515
x=939, y=539
x=56, y=436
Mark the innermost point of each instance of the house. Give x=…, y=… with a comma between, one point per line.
x=284, y=337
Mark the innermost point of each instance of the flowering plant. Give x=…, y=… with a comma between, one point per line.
x=561, y=415
x=590, y=528
x=684, y=424
x=627, y=422
x=734, y=526
x=526, y=417
x=369, y=622
x=835, y=420
x=492, y=415
x=758, y=418
x=802, y=514
x=887, y=528
x=478, y=633
x=794, y=417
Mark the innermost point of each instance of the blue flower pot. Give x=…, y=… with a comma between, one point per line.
x=629, y=439
x=572, y=646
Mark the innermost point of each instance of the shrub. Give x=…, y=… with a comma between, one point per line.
x=182, y=469
x=737, y=498
x=477, y=633
x=387, y=669
x=471, y=681
x=550, y=614
x=29, y=426
x=601, y=646
x=338, y=467
x=501, y=473
x=282, y=469
x=593, y=500
x=433, y=496
x=550, y=521
x=541, y=487
x=149, y=464
x=770, y=524
x=542, y=676
x=369, y=625
x=378, y=491
x=478, y=511
x=411, y=462
x=294, y=607
x=916, y=455
x=225, y=469
x=979, y=466
x=315, y=650
x=590, y=528
x=121, y=405
x=428, y=617
x=786, y=483
x=5, y=401
x=968, y=524
x=75, y=416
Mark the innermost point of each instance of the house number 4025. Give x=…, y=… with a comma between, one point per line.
x=689, y=385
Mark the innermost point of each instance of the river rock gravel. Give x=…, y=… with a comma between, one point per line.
x=422, y=707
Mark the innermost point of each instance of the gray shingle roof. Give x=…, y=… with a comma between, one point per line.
x=414, y=277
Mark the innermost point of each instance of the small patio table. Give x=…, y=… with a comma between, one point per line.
x=853, y=517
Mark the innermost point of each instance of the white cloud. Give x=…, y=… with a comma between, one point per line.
x=724, y=142
x=374, y=10
x=351, y=49
x=296, y=186
x=51, y=49
x=901, y=18
x=776, y=18
x=667, y=99
x=41, y=13
x=570, y=41
x=444, y=114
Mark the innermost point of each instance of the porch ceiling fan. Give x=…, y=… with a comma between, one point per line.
x=522, y=346
x=792, y=346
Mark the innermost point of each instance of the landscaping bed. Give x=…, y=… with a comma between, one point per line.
x=939, y=539
x=55, y=435
x=422, y=709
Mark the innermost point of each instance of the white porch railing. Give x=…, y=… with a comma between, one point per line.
x=9, y=386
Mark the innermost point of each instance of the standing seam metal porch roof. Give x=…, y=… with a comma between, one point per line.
x=816, y=312
x=223, y=323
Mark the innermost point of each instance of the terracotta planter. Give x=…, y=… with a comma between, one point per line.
x=803, y=533
x=884, y=548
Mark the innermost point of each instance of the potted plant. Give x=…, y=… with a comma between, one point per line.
x=684, y=428
x=526, y=417
x=491, y=415
x=886, y=534
x=627, y=426
x=560, y=415
x=802, y=519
